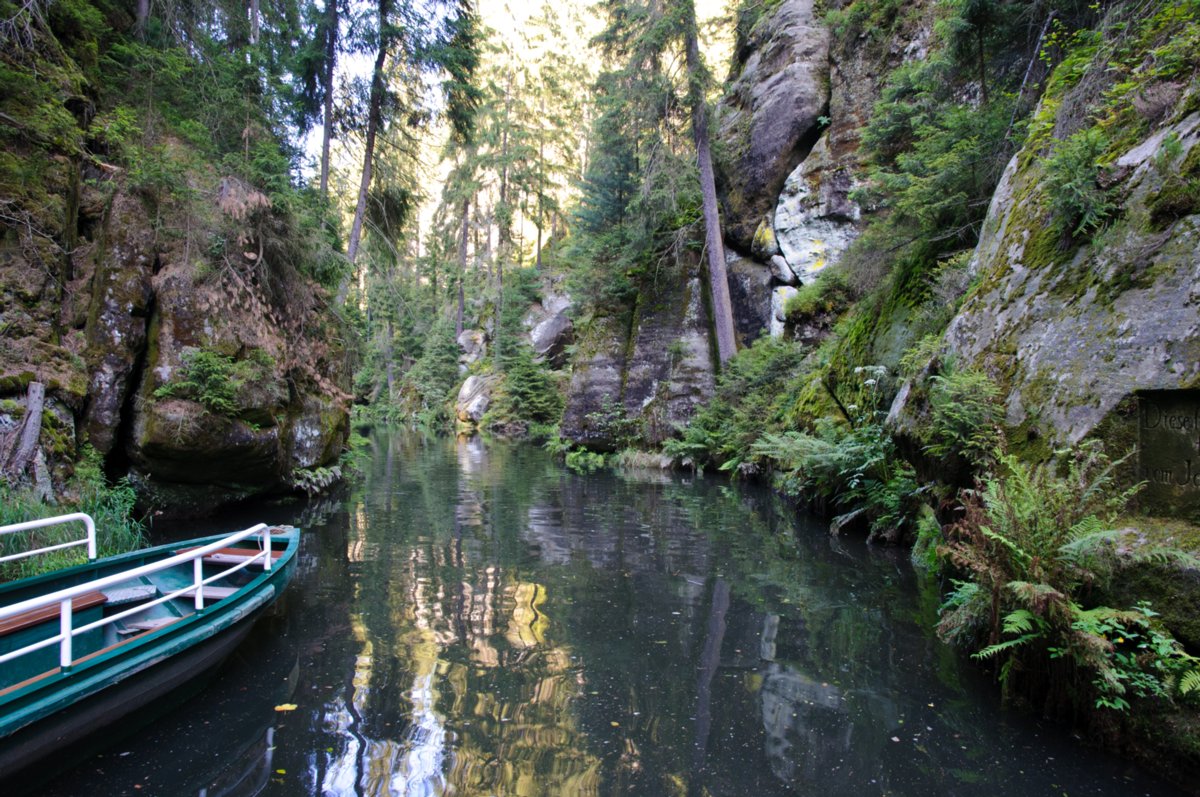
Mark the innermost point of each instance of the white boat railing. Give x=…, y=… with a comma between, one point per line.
x=31, y=525
x=63, y=597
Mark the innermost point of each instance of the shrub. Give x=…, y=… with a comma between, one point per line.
x=1033, y=542
x=1077, y=201
x=964, y=416
x=206, y=377
x=853, y=466
x=829, y=293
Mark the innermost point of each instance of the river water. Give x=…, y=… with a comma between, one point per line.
x=472, y=619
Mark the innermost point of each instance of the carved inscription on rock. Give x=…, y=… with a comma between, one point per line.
x=1169, y=451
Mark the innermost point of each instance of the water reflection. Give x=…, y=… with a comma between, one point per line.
x=477, y=621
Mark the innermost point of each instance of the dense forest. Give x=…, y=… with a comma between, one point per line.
x=926, y=268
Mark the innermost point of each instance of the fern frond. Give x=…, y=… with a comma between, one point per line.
x=1165, y=556
x=1000, y=647
x=1004, y=541
x=1089, y=538
x=1020, y=621
x=1190, y=682
x=1032, y=594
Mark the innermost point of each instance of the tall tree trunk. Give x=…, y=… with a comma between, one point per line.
x=506, y=216
x=982, y=63
x=143, y=16
x=718, y=281
x=374, y=120
x=462, y=266
x=254, y=21
x=331, y=39
x=499, y=312
x=387, y=354
x=537, y=261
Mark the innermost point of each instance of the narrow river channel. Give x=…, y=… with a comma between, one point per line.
x=473, y=619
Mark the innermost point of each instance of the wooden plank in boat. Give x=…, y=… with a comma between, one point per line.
x=34, y=616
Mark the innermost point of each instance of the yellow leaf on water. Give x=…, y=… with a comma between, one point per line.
x=281, y=772
x=286, y=707
x=615, y=724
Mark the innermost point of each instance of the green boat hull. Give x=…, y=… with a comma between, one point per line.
x=60, y=710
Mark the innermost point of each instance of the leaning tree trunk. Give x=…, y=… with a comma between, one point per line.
x=18, y=449
x=718, y=281
x=374, y=120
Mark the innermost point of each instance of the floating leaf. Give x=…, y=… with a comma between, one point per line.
x=286, y=707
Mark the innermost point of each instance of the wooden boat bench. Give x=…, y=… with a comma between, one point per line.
x=233, y=556
x=44, y=614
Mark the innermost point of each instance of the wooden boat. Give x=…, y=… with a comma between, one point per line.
x=84, y=646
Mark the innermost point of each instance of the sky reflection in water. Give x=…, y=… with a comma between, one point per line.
x=473, y=620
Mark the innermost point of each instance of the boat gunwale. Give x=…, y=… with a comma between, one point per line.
x=224, y=613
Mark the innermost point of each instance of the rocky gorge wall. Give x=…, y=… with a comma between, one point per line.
x=119, y=326
x=787, y=144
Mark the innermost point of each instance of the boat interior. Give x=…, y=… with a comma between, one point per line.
x=137, y=606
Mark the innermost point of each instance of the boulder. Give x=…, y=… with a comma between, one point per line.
x=473, y=345
x=474, y=398
x=1073, y=334
x=549, y=326
x=781, y=271
x=769, y=118
x=551, y=337
x=779, y=298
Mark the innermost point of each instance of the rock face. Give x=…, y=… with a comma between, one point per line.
x=646, y=377
x=1072, y=334
x=115, y=347
x=815, y=219
x=121, y=301
x=768, y=119
x=750, y=295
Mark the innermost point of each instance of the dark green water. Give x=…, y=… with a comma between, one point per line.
x=474, y=620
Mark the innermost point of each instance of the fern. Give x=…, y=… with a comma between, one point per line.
x=1001, y=647
x=1190, y=682
x=1019, y=621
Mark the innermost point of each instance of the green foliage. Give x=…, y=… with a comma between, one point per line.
x=640, y=196
x=830, y=292
x=610, y=422
x=111, y=506
x=1035, y=541
x=435, y=374
x=964, y=416
x=874, y=18
x=1073, y=170
x=206, y=377
x=584, y=461
x=754, y=390
x=529, y=394
x=852, y=465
